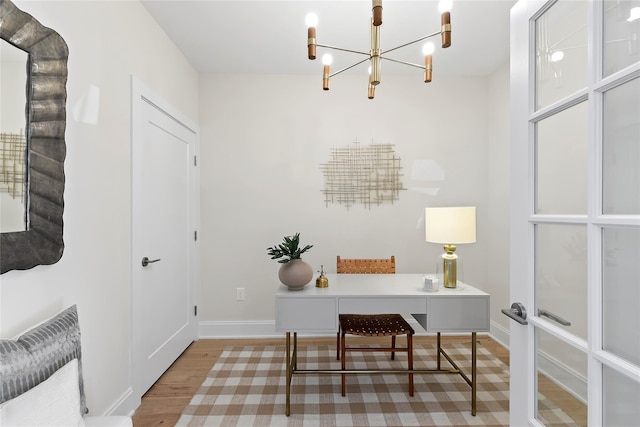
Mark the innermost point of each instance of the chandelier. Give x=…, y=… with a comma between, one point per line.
x=375, y=54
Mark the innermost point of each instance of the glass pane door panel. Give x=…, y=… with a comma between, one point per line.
x=561, y=276
x=621, y=35
x=561, y=51
x=621, y=293
x=561, y=382
x=620, y=399
x=621, y=149
x=561, y=162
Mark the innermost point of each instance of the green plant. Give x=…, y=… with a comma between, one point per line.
x=289, y=249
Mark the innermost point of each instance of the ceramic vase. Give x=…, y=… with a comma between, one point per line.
x=295, y=274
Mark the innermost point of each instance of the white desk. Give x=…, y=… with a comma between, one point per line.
x=315, y=310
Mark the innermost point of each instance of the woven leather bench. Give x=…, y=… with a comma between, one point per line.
x=373, y=325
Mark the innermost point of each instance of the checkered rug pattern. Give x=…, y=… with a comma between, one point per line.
x=246, y=387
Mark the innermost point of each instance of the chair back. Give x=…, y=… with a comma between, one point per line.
x=366, y=266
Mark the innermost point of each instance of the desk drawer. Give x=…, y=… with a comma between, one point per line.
x=458, y=314
x=389, y=304
x=306, y=315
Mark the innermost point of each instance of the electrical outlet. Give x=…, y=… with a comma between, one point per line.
x=239, y=294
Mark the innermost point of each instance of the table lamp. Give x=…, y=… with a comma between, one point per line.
x=450, y=226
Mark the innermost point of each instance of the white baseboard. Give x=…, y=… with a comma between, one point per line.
x=238, y=329
x=499, y=334
x=125, y=405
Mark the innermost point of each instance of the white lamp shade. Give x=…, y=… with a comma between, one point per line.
x=455, y=225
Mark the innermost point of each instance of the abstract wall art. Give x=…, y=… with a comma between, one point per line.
x=369, y=175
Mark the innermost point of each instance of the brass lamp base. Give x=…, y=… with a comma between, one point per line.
x=449, y=267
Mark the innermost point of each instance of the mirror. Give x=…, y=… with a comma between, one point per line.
x=13, y=143
x=41, y=241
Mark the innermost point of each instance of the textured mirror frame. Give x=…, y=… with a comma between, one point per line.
x=42, y=242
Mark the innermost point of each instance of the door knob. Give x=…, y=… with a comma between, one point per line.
x=146, y=261
x=517, y=313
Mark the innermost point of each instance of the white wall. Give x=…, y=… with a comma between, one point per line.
x=108, y=41
x=497, y=256
x=264, y=138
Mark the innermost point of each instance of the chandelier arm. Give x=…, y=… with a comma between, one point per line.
x=348, y=68
x=422, y=67
x=342, y=49
x=412, y=42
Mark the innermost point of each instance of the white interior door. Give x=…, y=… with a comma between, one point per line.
x=164, y=265
x=575, y=213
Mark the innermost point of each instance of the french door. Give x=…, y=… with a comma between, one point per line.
x=575, y=213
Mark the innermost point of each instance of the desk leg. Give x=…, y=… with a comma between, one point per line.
x=288, y=373
x=295, y=353
x=473, y=374
x=438, y=350
x=470, y=381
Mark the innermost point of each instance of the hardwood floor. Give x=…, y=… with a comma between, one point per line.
x=165, y=400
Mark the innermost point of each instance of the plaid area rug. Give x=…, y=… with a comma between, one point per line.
x=246, y=387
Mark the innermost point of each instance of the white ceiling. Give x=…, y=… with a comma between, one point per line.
x=270, y=37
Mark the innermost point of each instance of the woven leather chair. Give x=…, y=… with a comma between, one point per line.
x=371, y=325
x=366, y=266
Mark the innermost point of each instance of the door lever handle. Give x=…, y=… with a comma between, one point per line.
x=553, y=317
x=146, y=261
x=517, y=313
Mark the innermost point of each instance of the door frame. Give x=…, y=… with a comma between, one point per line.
x=521, y=368
x=141, y=94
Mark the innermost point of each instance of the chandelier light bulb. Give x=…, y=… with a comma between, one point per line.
x=445, y=6
x=557, y=56
x=311, y=19
x=428, y=49
x=327, y=59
